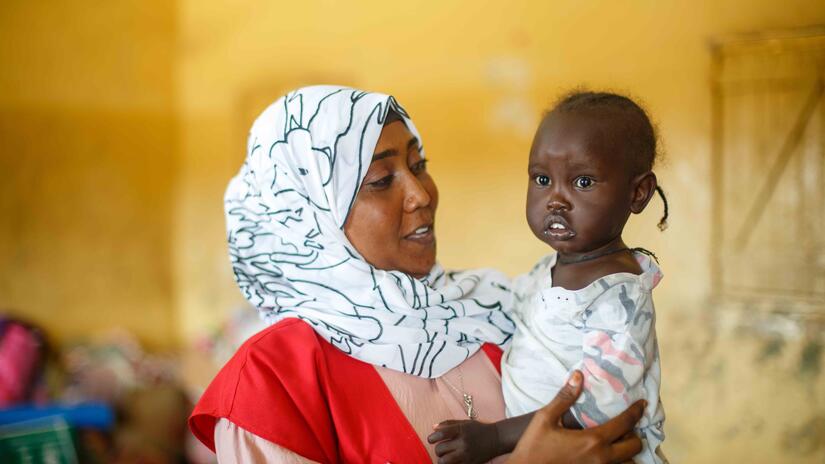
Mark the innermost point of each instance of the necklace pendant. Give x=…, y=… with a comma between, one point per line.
x=468, y=403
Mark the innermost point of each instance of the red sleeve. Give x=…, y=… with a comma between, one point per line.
x=271, y=388
x=494, y=353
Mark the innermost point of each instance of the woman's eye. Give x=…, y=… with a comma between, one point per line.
x=383, y=182
x=419, y=167
x=544, y=181
x=583, y=182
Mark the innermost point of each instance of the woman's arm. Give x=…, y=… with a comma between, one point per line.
x=477, y=442
x=234, y=444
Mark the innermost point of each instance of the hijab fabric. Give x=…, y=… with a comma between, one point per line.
x=285, y=210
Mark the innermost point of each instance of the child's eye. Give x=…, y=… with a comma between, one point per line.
x=544, y=181
x=419, y=167
x=583, y=182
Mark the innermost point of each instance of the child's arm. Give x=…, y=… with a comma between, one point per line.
x=475, y=442
x=469, y=441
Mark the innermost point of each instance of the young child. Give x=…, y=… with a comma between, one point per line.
x=587, y=306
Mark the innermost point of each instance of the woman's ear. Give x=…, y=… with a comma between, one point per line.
x=644, y=186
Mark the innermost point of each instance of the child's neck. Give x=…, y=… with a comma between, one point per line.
x=613, y=246
x=574, y=271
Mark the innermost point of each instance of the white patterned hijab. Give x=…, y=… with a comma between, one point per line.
x=285, y=210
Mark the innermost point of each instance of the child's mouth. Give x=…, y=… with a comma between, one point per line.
x=557, y=228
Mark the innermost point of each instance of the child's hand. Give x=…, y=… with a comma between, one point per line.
x=464, y=442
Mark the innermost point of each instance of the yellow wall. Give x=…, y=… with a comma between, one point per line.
x=475, y=76
x=120, y=125
x=87, y=166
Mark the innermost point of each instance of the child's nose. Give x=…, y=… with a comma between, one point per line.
x=557, y=203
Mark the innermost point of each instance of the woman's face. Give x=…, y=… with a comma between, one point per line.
x=393, y=218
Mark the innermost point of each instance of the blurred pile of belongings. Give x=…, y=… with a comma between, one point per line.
x=99, y=401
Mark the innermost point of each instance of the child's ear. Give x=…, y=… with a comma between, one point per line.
x=644, y=186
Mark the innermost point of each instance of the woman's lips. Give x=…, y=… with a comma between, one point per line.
x=424, y=235
x=557, y=228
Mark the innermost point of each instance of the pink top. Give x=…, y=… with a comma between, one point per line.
x=424, y=402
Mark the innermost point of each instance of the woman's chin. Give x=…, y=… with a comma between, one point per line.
x=416, y=259
x=418, y=268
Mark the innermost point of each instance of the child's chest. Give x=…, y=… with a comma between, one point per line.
x=555, y=318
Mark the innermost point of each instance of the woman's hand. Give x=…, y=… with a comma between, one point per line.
x=546, y=442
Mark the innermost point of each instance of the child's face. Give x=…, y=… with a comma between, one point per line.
x=581, y=190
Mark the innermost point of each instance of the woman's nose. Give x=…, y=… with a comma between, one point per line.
x=416, y=196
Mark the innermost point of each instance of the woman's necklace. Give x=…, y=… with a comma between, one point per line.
x=590, y=257
x=468, y=398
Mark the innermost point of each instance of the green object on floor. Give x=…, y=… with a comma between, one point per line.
x=48, y=441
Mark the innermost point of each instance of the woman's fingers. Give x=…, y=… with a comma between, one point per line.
x=564, y=400
x=624, y=449
x=615, y=428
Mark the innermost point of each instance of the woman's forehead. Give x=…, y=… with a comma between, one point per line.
x=395, y=137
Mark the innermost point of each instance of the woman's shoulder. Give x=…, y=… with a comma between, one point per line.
x=280, y=356
x=284, y=331
x=283, y=334
x=288, y=344
x=261, y=376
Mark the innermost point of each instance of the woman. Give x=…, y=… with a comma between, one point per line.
x=331, y=235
